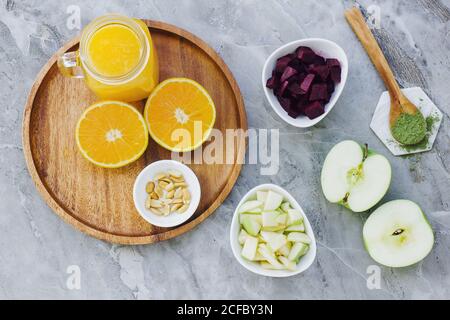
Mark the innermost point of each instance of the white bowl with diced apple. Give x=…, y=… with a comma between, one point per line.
x=270, y=234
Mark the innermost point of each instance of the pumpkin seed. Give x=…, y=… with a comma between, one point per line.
x=170, y=187
x=170, y=194
x=159, y=191
x=183, y=208
x=175, y=207
x=154, y=196
x=180, y=184
x=148, y=202
x=150, y=187
x=156, y=204
x=160, y=175
x=178, y=193
x=165, y=210
x=176, y=180
x=186, y=195
x=175, y=173
x=156, y=211
x=162, y=184
x=166, y=180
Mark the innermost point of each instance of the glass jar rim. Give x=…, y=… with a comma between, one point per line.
x=105, y=20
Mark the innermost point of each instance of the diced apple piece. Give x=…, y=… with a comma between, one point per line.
x=282, y=219
x=259, y=257
x=294, y=217
x=249, y=205
x=256, y=211
x=269, y=218
x=296, y=228
x=268, y=254
x=250, y=225
x=298, y=237
x=279, y=228
x=273, y=201
x=250, y=248
x=255, y=216
x=266, y=235
x=290, y=265
x=285, y=206
x=261, y=196
x=274, y=240
x=269, y=266
x=277, y=242
x=285, y=250
x=298, y=249
x=242, y=236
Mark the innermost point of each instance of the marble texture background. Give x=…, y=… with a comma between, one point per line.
x=36, y=246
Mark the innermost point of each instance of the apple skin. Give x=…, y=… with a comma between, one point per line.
x=420, y=258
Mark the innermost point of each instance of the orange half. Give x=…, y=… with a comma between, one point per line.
x=180, y=114
x=111, y=134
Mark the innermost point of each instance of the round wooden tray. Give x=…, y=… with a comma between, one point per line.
x=99, y=201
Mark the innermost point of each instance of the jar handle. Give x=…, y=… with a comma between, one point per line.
x=70, y=66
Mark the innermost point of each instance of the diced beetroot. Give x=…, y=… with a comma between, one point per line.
x=287, y=73
x=330, y=89
x=285, y=103
x=330, y=86
x=283, y=87
x=297, y=65
x=335, y=74
x=305, y=54
x=276, y=76
x=301, y=103
x=294, y=78
x=318, y=60
x=294, y=113
x=271, y=82
x=318, y=92
x=283, y=62
x=321, y=70
x=301, y=77
x=333, y=63
x=314, y=109
x=294, y=89
x=306, y=83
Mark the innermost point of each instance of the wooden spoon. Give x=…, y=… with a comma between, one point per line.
x=399, y=103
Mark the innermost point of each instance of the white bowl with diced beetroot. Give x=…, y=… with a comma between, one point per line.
x=303, y=80
x=270, y=234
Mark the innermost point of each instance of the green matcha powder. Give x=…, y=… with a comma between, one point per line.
x=430, y=121
x=409, y=129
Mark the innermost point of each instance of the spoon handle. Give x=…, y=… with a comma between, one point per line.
x=357, y=22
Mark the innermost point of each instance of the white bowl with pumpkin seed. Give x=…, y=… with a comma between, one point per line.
x=166, y=193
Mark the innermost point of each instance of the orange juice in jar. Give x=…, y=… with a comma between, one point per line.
x=116, y=58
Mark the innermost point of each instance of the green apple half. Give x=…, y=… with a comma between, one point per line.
x=355, y=176
x=398, y=234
